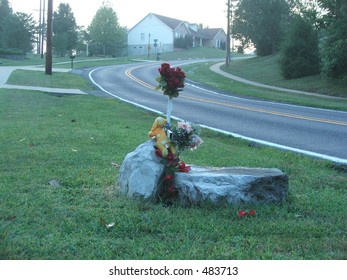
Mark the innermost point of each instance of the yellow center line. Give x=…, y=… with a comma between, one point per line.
x=288, y=115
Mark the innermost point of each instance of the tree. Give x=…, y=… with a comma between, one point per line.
x=65, y=30
x=17, y=30
x=24, y=35
x=334, y=49
x=299, y=52
x=261, y=22
x=5, y=12
x=105, y=30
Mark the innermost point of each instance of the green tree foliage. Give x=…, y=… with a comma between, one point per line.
x=299, y=50
x=334, y=49
x=5, y=12
x=65, y=30
x=17, y=30
x=105, y=30
x=261, y=22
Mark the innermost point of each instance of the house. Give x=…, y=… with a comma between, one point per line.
x=157, y=34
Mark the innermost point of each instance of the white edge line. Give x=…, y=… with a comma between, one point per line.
x=274, y=145
x=282, y=147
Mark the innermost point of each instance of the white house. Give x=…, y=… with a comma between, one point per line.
x=156, y=34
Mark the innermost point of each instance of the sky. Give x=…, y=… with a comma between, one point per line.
x=211, y=14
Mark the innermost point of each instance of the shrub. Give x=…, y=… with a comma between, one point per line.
x=299, y=50
x=334, y=60
x=11, y=52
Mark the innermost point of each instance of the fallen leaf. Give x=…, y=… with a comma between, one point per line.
x=21, y=140
x=54, y=183
x=111, y=225
x=74, y=150
x=107, y=226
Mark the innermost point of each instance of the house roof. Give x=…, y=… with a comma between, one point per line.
x=171, y=22
x=210, y=32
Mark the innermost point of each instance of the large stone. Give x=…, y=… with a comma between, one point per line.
x=232, y=185
x=142, y=169
x=140, y=172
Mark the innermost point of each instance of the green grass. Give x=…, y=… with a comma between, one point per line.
x=39, y=78
x=266, y=70
x=31, y=59
x=75, y=139
x=200, y=72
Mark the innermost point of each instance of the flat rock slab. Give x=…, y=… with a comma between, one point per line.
x=142, y=169
x=232, y=185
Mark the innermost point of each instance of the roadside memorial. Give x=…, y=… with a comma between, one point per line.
x=155, y=172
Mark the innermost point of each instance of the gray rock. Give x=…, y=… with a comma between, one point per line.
x=140, y=172
x=231, y=185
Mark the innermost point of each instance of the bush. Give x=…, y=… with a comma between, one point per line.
x=184, y=43
x=299, y=51
x=11, y=52
x=334, y=60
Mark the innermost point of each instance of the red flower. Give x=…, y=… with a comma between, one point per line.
x=158, y=152
x=241, y=213
x=183, y=167
x=168, y=177
x=171, y=80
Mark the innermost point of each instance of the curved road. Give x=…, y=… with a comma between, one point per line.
x=312, y=131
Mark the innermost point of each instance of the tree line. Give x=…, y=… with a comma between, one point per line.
x=309, y=35
x=19, y=32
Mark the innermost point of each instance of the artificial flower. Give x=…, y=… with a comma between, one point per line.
x=242, y=213
x=183, y=167
x=171, y=80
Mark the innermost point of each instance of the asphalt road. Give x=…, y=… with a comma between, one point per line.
x=312, y=131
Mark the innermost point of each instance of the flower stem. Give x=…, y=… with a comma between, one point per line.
x=169, y=110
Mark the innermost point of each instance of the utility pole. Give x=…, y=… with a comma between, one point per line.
x=229, y=25
x=39, y=31
x=227, y=58
x=43, y=10
x=49, y=41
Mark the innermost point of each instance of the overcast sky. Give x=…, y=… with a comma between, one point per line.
x=211, y=13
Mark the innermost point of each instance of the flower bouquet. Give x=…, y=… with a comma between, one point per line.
x=186, y=136
x=171, y=82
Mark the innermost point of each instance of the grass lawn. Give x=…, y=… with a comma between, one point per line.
x=200, y=72
x=76, y=140
x=57, y=80
x=266, y=70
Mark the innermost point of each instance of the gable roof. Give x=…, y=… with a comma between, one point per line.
x=171, y=22
x=211, y=32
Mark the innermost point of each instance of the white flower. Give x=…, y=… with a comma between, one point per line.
x=184, y=125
